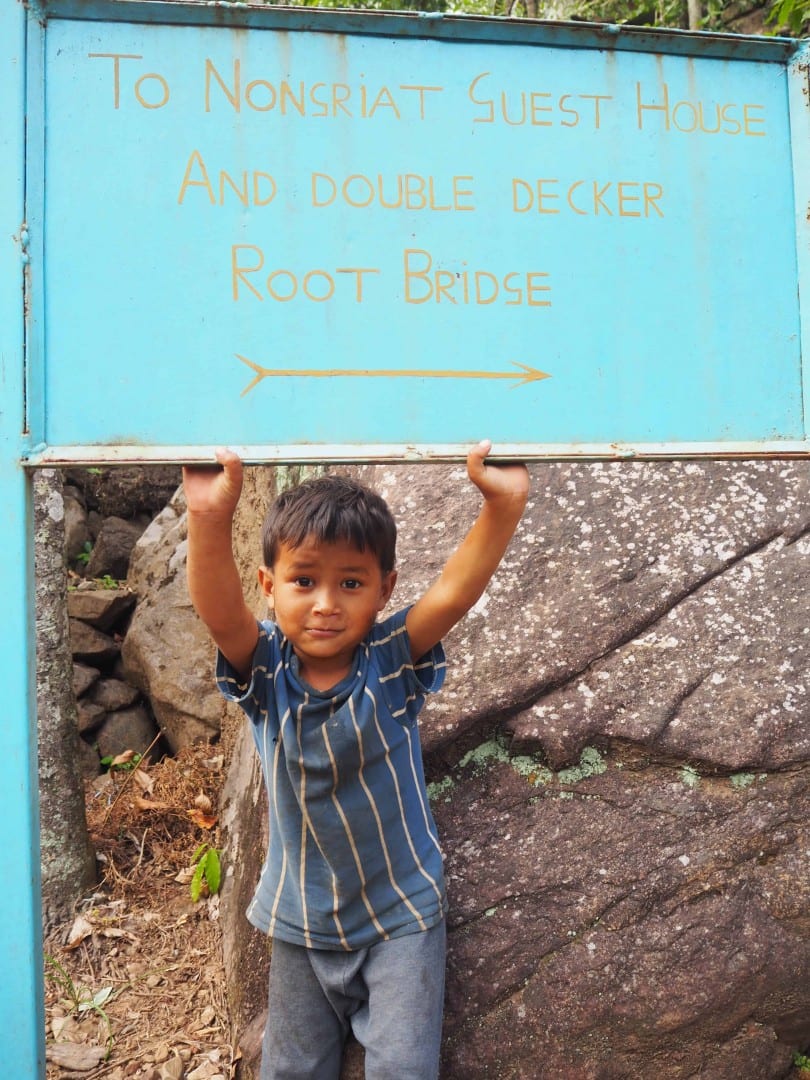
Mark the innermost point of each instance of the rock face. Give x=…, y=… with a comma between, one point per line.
x=627, y=913
x=167, y=653
x=636, y=601
x=618, y=767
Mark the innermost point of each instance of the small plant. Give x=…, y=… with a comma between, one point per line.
x=107, y=582
x=84, y=555
x=80, y=999
x=801, y=1062
x=206, y=868
x=125, y=762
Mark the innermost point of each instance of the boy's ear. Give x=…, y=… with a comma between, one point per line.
x=388, y=582
x=266, y=580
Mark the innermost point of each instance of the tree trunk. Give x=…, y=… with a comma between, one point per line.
x=68, y=860
x=695, y=9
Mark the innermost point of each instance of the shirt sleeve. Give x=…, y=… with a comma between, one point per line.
x=252, y=695
x=405, y=684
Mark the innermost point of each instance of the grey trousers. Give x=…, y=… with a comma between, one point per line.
x=391, y=996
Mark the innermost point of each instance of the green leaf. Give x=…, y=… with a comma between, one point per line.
x=196, y=882
x=212, y=871
x=200, y=851
x=789, y=13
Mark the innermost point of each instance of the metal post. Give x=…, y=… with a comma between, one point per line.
x=21, y=997
x=799, y=103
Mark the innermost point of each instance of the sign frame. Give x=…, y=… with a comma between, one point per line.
x=787, y=54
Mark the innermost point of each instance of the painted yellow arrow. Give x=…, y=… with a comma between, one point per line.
x=523, y=375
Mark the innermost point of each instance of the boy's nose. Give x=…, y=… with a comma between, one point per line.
x=325, y=602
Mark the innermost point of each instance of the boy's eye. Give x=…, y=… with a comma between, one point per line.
x=351, y=583
x=303, y=581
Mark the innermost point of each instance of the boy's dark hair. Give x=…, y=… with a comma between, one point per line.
x=331, y=509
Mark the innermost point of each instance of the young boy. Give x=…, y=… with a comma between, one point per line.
x=352, y=891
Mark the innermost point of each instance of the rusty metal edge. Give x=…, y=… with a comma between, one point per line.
x=50, y=456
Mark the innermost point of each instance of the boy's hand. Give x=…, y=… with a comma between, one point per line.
x=214, y=489
x=495, y=482
x=467, y=572
x=212, y=492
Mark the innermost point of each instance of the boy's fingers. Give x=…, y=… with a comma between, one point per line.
x=475, y=459
x=232, y=464
x=497, y=478
x=229, y=459
x=217, y=485
x=223, y=457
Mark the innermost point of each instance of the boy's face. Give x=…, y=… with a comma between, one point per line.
x=326, y=598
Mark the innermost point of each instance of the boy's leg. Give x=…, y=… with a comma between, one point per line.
x=304, y=1036
x=400, y=1025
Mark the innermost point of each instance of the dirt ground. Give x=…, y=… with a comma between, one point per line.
x=134, y=984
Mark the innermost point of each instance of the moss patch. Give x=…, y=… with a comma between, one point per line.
x=530, y=767
x=492, y=750
x=591, y=763
x=689, y=777
x=441, y=788
x=740, y=781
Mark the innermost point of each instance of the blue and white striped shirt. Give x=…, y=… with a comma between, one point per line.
x=353, y=855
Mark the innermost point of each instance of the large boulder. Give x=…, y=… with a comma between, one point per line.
x=126, y=492
x=167, y=653
x=130, y=728
x=690, y=571
x=113, y=548
x=618, y=767
x=102, y=608
x=624, y=913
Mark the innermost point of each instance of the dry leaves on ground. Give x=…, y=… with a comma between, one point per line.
x=134, y=986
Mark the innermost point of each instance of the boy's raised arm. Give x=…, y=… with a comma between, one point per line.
x=467, y=572
x=214, y=586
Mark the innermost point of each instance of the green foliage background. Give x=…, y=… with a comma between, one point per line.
x=792, y=15
x=780, y=16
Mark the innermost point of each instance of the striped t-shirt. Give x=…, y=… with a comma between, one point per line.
x=353, y=855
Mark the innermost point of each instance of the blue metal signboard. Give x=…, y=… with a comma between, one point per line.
x=337, y=236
